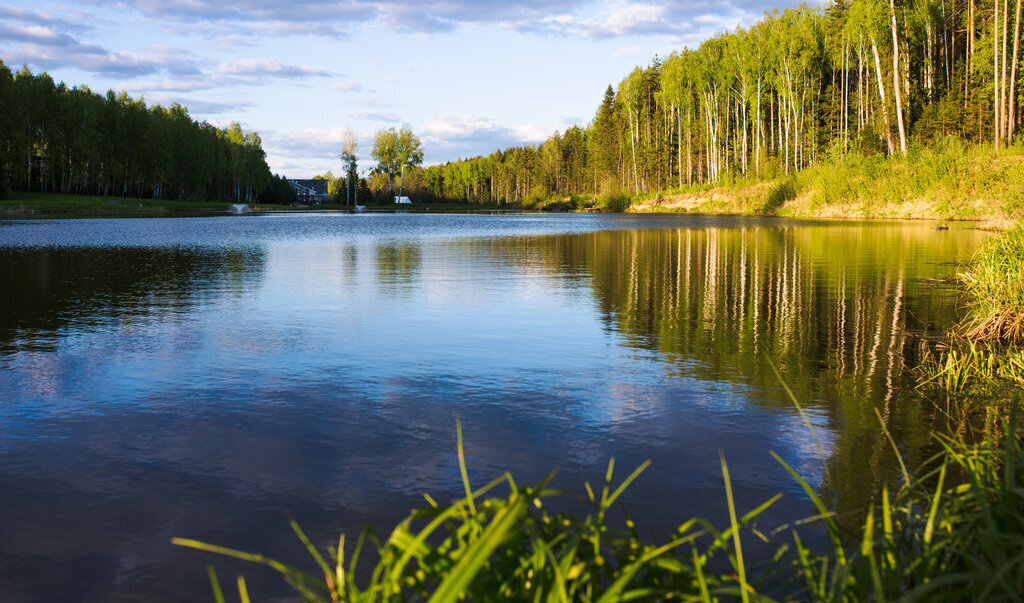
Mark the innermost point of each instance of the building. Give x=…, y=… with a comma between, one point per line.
x=310, y=192
x=403, y=200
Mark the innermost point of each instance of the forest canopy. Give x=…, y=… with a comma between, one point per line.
x=798, y=87
x=72, y=140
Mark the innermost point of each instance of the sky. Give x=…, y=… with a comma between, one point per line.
x=468, y=76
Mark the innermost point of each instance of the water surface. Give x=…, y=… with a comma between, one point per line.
x=201, y=377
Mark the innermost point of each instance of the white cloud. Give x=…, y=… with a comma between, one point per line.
x=389, y=118
x=309, y=142
x=450, y=137
x=199, y=106
x=334, y=18
x=632, y=51
x=254, y=69
x=349, y=86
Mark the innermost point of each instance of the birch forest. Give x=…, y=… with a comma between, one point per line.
x=801, y=86
x=56, y=139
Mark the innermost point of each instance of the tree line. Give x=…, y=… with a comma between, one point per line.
x=799, y=86
x=71, y=140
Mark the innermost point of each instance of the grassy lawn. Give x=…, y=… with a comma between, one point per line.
x=22, y=203
x=47, y=204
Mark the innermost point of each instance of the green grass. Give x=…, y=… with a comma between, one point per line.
x=55, y=204
x=952, y=531
x=985, y=355
x=22, y=204
x=948, y=180
x=995, y=281
x=973, y=368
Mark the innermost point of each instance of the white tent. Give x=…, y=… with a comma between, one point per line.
x=403, y=200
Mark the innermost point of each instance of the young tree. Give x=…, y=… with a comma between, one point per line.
x=385, y=152
x=410, y=153
x=395, y=151
x=348, y=162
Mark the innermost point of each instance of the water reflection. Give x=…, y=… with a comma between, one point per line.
x=841, y=310
x=52, y=290
x=201, y=385
x=398, y=265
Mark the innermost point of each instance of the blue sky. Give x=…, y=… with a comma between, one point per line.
x=468, y=76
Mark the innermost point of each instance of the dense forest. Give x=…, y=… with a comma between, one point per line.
x=71, y=140
x=800, y=86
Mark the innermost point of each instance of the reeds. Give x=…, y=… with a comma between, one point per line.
x=996, y=283
x=954, y=531
x=967, y=366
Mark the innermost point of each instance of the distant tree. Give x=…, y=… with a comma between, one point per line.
x=279, y=192
x=348, y=163
x=335, y=185
x=410, y=153
x=363, y=194
x=71, y=140
x=385, y=152
x=395, y=151
x=7, y=127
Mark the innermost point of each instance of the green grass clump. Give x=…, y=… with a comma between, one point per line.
x=985, y=360
x=996, y=283
x=970, y=367
x=954, y=531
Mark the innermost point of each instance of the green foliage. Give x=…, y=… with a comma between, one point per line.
x=801, y=88
x=973, y=368
x=933, y=537
x=279, y=192
x=349, y=164
x=5, y=181
x=396, y=151
x=74, y=141
x=363, y=193
x=996, y=284
x=985, y=360
x=783, y=191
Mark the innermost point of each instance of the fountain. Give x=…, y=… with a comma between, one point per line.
x=239, y=208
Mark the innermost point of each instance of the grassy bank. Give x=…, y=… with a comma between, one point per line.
x=56, y=204
x=418, y=207
x=45, y=204
x=985, y=354
x=946, y=181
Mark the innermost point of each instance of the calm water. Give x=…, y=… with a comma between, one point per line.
x=201, y=377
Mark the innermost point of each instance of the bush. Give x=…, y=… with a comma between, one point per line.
x=784, y=190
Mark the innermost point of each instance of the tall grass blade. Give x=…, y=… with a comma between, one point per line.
x=803, y=415
x=472, y=561
x=462, y=466
x=218, y=594
x=243, y=591
x=740, y=567
x=895, y=449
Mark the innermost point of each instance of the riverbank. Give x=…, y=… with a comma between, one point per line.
x=23, y=204
x=985, y=358
x=947, y=182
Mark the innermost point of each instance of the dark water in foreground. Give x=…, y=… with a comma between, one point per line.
x=201, y=377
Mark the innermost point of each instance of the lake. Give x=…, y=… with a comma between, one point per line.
x=202, y=377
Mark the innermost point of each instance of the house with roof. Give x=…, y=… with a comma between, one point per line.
x=309, y=191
